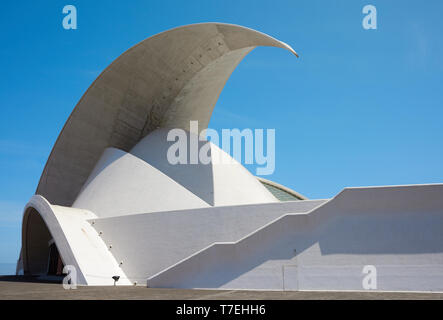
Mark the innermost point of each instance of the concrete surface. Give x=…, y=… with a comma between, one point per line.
x=164, y=81
x=78, y=243
x=149, y=243
x=13, y=288
x=122, y=184
x=144, y=181
x=299, y=245
x=398, y=230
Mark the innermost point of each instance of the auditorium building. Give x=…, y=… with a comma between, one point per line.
x=110, y=204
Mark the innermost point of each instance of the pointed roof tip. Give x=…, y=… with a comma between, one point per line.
x=287, y=46
x=281, y=44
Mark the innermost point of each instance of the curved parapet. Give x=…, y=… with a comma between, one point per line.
x=76, y=240
x=164, y=81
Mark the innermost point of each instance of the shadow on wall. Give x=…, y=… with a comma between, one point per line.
x=197, y=178
x=411, y=234
x=36, y=242
x=335, y=226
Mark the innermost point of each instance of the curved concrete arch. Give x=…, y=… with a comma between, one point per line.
x=77, y=241
x=164, y=81
x=39, y=209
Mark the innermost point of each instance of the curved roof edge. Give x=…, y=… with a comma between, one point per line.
x=283, y=188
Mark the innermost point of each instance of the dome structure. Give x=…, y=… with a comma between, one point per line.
x=143, y=181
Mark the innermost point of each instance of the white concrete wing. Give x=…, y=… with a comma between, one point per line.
x=164, y=81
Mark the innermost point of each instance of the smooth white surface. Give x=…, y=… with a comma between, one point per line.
x=301, y=245
x=397, y=229
x=222, y=182
x=150, y=243
x=123, y=184
x=78, y=243
x=144, y=181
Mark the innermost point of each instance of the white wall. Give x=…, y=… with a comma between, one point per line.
x=149, y=243
x=302, y=245
x=397, y=229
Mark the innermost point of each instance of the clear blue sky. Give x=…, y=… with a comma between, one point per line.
x=359, y=108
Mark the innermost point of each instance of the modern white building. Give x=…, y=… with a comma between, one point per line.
x=110, y=204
